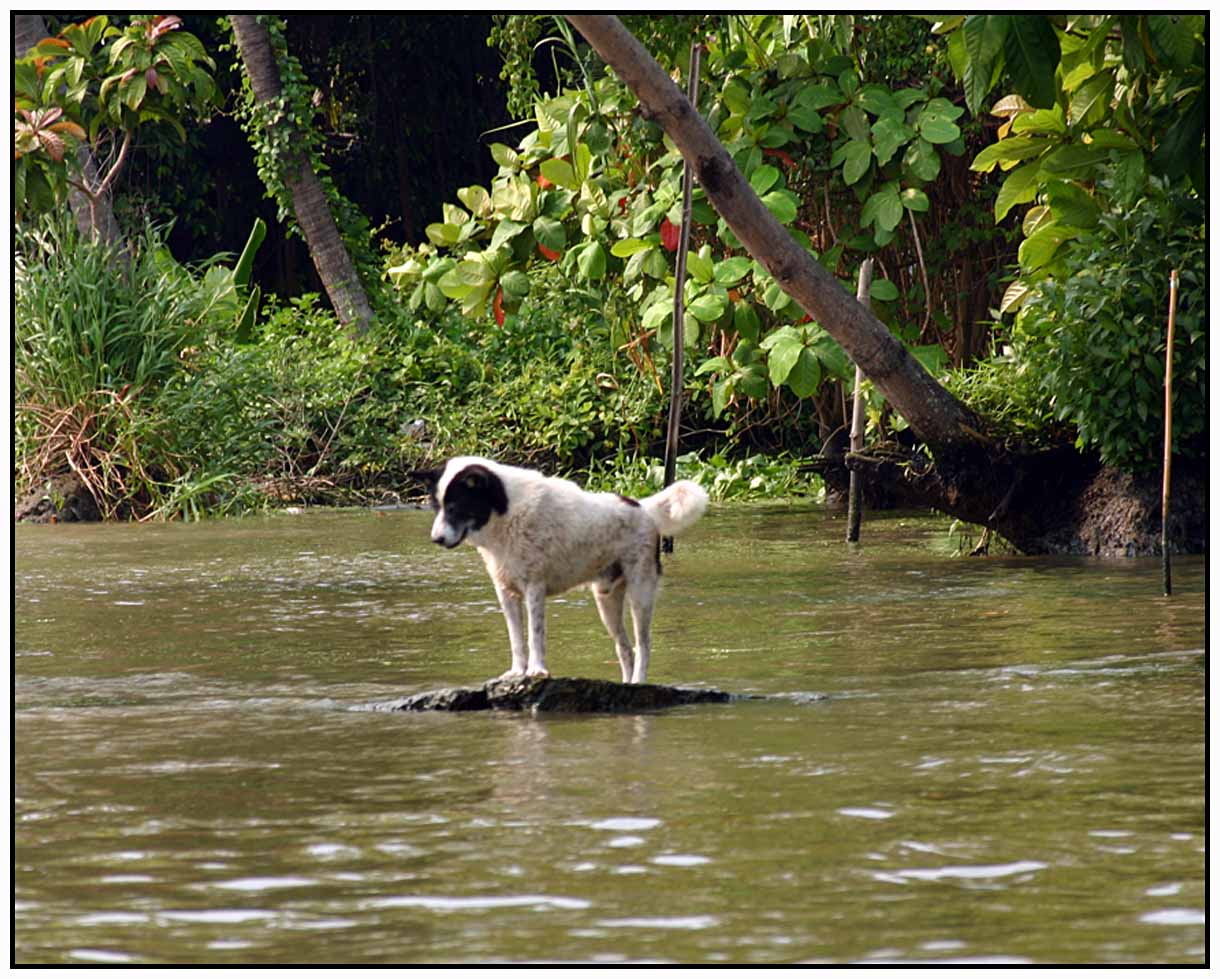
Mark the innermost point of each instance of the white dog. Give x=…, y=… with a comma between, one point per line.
x=540, y=536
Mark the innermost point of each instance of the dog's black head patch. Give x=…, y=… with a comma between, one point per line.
x=468, y=500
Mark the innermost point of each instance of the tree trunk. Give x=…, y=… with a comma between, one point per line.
x=317, y=223
x=94, y=219
x=1040, y=501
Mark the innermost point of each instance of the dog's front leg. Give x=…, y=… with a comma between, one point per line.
x=510, y=604
x=535, y=607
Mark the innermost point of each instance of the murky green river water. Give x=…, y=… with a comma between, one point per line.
x=1009, y=766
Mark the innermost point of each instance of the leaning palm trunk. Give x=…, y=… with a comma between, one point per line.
x=317, y=223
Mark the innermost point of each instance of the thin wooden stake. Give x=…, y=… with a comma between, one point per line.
x=1166, y=580
x=857, y=417
x=677, y=365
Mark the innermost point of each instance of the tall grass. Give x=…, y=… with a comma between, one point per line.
x=98, y=331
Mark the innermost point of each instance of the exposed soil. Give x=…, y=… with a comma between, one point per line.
x=1055, y=501
x=64, y=499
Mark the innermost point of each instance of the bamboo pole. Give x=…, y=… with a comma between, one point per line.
x=857, y=417
x=677, y=365
x=1166, y=579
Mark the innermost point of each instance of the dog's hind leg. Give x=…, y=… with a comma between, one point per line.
x=641, y=598
x=609, y=599
x=510, y=604
x=535, y=607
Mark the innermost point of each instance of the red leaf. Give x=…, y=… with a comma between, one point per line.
x=497, y=306
x=669, y=235
x=161, y=24
x=544, y=183
x=783, y=156
x=548, y=253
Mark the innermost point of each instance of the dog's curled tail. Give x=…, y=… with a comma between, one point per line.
x=676, y=507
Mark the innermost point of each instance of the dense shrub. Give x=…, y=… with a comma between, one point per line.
x=100, y=331
x=1095, y=339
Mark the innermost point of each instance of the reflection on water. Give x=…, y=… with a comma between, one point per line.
x=1008, y=767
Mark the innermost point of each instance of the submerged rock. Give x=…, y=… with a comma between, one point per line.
x=570, y=695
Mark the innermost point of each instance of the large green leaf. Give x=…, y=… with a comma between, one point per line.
x=591, y=260
x=504, y=155
x=1090, y=101
x=805, y=377
x=806, y=118
x=922, y=160
x=1019, y=187
x=883, y=209
x=1031, y=55
x=858, y=156
x=708, y=307
x=515, y=283
x=700, y=267
x=783, y=351
x=1173, y=36
x=1073, y=160
x=732, y=270
x=442, y=234
x=764, y=178
x=879, y=101
x=883, y=290
x=1130, y=175
x=1072, y=204
x=819, y=96
x=983, y=35
x=1039, y=249
x=506, y=231
x=746, y=320
x=1011, y=150
x=888, y=135
x=630, y=246
x=1181, y=145
x=550, y=233
x=856, y=124
x=1050, y=121
x=782, y=204
x=937, y=129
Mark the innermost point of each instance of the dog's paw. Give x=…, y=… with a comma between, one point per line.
x=538, y=671
x=511, y=675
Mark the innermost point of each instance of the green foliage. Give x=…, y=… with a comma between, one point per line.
x=95, y=84
x=1095, y=96
x=1096, y=337
x=595, y=192
x=1008, y=395
x=94, y=353
x=754, y=477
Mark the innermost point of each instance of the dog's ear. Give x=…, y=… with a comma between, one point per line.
x=481, y=480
